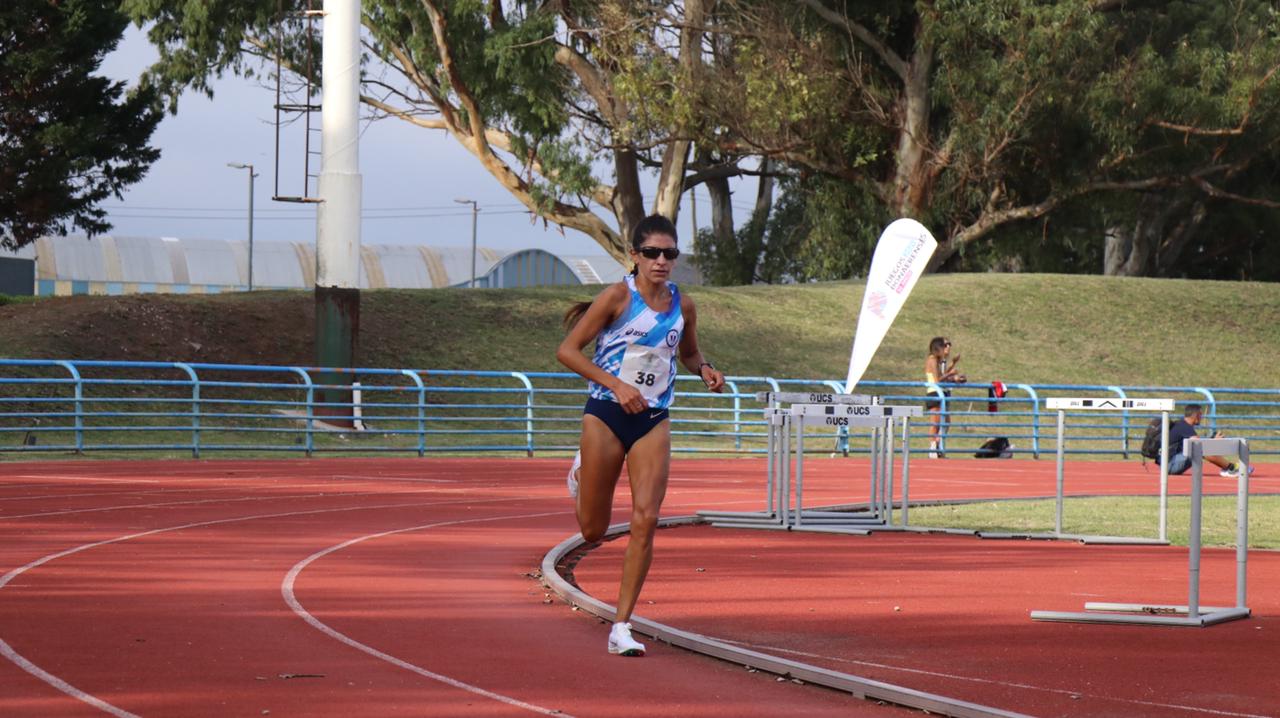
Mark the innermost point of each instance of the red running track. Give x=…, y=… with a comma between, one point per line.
x=401, y=587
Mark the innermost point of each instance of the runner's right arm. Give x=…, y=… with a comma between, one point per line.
x=604, y=310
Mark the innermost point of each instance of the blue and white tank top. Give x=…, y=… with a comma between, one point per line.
x=641, y=348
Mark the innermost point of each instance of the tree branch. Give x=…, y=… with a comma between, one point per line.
x=1218, y=193
x=865, y=36
x=613, y=109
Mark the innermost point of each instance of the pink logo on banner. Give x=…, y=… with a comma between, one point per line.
x=876, y=303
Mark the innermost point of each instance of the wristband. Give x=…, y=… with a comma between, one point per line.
x=705, y=363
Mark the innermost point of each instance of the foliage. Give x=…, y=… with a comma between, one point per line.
x=978, y=117
x=536, y=91
x=68, y=138
x=1070, y=135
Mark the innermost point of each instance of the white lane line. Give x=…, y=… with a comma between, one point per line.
x=347, y=477
x=991, y=681
x=7, y=651
x=286, y=590
x=154, y=492
x=97, y=479
x=22, y=662
x=193, y=502
x=969, y=481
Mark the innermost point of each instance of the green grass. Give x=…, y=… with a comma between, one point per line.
x=1113, y=516
x=1017, y=328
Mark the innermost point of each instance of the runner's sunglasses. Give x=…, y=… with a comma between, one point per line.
x=652, y=252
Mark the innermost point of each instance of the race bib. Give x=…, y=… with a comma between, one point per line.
x=647, y=370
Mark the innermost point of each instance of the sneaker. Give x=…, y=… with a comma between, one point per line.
x=1233, y=471
x=933, y=449
x=572, y=481
x=621, y=643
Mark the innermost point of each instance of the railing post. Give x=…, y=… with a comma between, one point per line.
x=1124, y=422
x=737, y=415
x=842, y=432
x=79, y=394
x=195, y=408
x=528, y=412
x=311, y=409
x=1213, y=408
x=422, y=410
x=942, y=416
x=1035, y=418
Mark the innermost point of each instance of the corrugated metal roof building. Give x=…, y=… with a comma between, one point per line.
x=130, y=265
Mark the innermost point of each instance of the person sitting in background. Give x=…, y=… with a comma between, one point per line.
x=1185, y=428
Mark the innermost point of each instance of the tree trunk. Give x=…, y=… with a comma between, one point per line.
x=676, y=155
x=721, y=211
x=1150, y=246
x=628, y=201
x=911, y=174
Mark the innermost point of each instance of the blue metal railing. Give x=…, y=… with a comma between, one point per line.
x=86, y=406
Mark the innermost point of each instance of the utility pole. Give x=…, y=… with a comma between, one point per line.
x=337, y=291
x=475, y=213
x=248, y=166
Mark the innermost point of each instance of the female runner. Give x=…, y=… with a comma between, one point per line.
x=640, y=326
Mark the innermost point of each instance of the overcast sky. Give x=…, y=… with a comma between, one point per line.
x=411, y=177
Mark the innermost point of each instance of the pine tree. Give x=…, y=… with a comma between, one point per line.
x=68, y=138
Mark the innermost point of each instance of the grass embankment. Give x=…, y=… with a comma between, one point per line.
x=1114, y=516
x=1016, y=328
x=1035, y=329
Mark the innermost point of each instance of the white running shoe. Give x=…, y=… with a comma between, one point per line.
x=1233, y=471
x=573, y=475
x=933, y=449
x=621, y=643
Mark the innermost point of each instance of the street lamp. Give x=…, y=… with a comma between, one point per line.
x=475, y=211
x=241, y=166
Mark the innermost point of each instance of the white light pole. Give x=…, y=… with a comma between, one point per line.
x=248, y=166
x=475, y=211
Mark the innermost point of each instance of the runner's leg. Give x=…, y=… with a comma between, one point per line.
x=602, y=457
x=648, y=465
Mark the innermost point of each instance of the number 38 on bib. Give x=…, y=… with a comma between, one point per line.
x=648, y=369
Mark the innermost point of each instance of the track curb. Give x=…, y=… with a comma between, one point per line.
x=858, y=686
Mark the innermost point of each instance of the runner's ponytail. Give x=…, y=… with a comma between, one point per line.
x=575, y=313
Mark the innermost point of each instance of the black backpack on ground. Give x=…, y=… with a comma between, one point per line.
x=1151, y=441
x=997, y=448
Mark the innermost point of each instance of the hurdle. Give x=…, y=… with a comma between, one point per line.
x=777, y=511
x=832, y=410
x=1191, y=614
x=880, y=419
x=1061, y=404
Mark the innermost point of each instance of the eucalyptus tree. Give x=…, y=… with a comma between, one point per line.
x=978, y=115
x=566, y=104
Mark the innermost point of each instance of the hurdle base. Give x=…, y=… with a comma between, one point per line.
x=1144, y=614
x=767, y=526
x=1082, y=538
x=912, y=528
x=834, y=529
x=739, y=515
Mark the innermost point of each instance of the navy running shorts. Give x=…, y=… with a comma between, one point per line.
x=629, y=428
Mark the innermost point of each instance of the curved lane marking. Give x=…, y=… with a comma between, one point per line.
x=22, y=662
x=286, y=590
